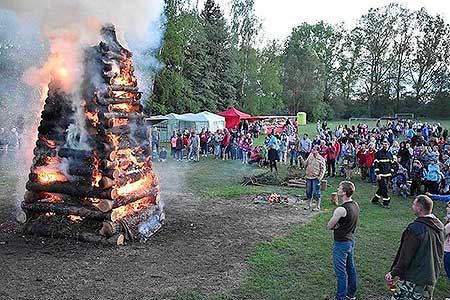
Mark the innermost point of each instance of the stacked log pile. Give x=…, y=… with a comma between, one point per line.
x=93, y=179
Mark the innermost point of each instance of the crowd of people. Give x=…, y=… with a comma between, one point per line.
x=404, y=157
x=9, y=140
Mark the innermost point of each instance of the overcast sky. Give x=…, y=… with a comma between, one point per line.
x=280, y=16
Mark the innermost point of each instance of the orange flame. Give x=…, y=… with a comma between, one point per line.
x=125, y=76
x=50, y=160
x=49, y=174
x=61, y=64
x=74, y=218
x=93, y=117
x=123, y=107
x=131, y=208
x=50, y=214
x=52, y=198
x=49, y=143
x=96, y=174
x=132, y=187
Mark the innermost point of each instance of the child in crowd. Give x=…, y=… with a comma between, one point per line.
x=163, y=154
x=416, y=178
x=273, y=157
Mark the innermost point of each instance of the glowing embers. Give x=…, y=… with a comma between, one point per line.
x=74, y=219
x=49, y=143
x=124, y=95
x=123, y=107
x=49, y=174
x=132, y=208
x=115, y=122
x=96, y=173
x=132, y=187
x=51, y=198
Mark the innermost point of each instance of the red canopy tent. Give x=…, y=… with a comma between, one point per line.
x=233, y=117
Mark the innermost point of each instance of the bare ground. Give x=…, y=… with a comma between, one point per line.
x=202, y=246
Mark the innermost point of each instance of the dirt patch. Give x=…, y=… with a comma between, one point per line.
x=202, y=246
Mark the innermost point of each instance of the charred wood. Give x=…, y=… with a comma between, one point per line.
x=64, y=209
x=72, y=189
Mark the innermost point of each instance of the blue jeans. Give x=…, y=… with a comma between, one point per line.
x=313, y=189
x=447, y=264
x=293, y=157
x=372, y=175
x=344, y=267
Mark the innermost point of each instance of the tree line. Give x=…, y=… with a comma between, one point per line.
x=394, y=60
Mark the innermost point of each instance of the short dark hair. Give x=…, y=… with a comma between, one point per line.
x=425, y=203
x=348, y=187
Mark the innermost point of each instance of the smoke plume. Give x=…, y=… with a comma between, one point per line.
x=44, y=40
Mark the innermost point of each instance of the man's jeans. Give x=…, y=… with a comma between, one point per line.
x=313, y=189
x=344, y=267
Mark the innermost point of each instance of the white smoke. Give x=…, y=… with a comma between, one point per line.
x=39, y=39
x=139, y=24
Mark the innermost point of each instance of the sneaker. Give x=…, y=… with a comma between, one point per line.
x=351, y=298
x=306, y=208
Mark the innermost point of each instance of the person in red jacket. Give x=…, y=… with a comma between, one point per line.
x=333, y=150
x=361, y=160
x=370, y=157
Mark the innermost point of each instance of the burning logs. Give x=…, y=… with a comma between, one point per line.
x=94, y=183
x=63, y=209
x=71, y=189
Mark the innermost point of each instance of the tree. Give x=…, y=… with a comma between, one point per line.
x=303, y=81
x=378, y=33
x=245, y=26
x=218, y=75
x=430, y=57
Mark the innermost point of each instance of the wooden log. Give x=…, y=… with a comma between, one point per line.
x=150, y=191
x=122, y=178
x=110, y=228
x=31, y=197
x=122, y=108
x=43, y=229
x=75, y=153
x=124, y=88
x=58, y=137
x=64, y=209
x=121, y=115
x=69, y=188
x=119, y=130
x=80, y=170
x=44, y=150
x=109, y=101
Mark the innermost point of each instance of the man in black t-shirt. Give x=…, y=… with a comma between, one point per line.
x=343, y=223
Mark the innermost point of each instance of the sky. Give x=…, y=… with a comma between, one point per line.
x=280, y=16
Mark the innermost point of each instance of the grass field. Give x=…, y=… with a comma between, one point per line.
x=299, y=265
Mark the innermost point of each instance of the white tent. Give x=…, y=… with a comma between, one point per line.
x=172, y=122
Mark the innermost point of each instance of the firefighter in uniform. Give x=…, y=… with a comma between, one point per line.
x=383, y=164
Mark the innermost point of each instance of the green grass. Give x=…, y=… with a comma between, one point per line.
x=299, y=266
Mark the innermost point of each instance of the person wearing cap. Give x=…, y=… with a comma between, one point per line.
x=384, y=168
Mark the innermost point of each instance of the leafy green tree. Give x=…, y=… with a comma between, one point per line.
x=303, y=81
x=431, y=55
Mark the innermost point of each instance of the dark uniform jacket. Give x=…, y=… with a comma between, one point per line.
x=384, y=163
